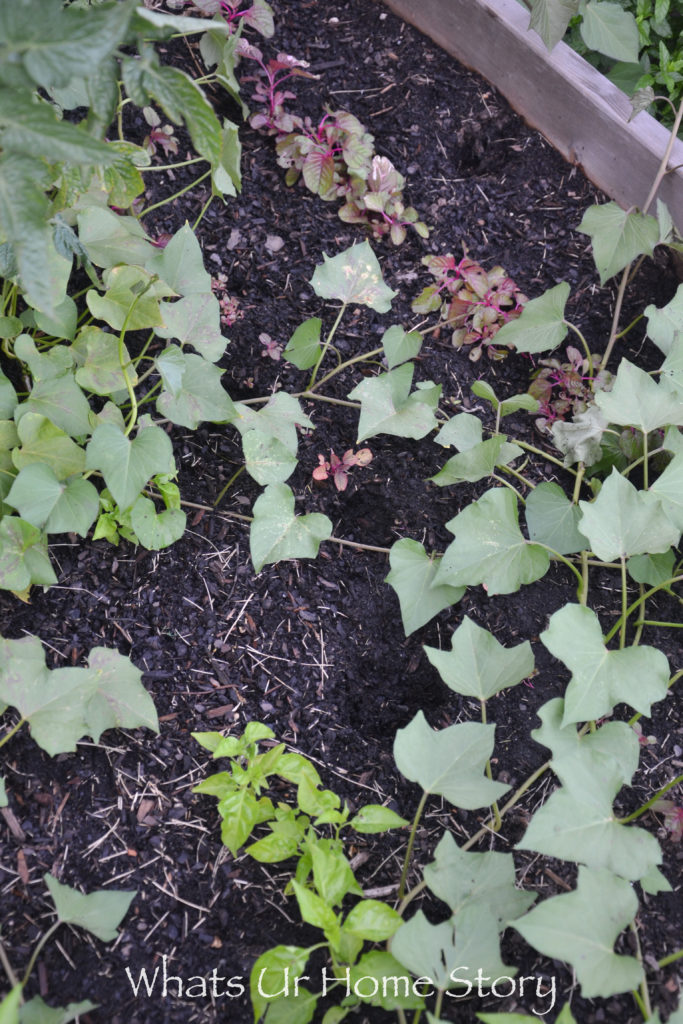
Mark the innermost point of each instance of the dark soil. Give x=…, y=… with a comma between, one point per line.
x=314, y=649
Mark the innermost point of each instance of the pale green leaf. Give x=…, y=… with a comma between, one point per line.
x=541, y=325
x=8, y=397
x=101, y=361
x=672, y=367
x=579, y=441
x=269, y=973
x=181, y=264
x=450, y=953
x=372, y=920
x=42, y=500
x=62, y=323
x=23, y=556
x=10, y=326
x=618, y=237
x=56, y=362
x=156, y=530
x=581, y=928
x=463, y=430
x=267, y=459
x=198, y=395
x=9, y=1007
x=652, y=569
x=668, y=488
x=623, y=521
x=353, y=276
x=489, y=547
x=550, y=19
x=100, y=913
x=111, y=239
x=194, y=320
x=303, y=348
x=277, y=533
x=33, y=129
x=450, y=762
x=227, y=174
x=462, y=878
x=477, y=665
x=666, y=324
x=131, y=300
x=601, y=679
x=609, y=29
x=385, y=976
x=387, y=407
x=636, y=400
x=278, y=418
x=412, y=577
x=399, y=345
x=478, y=462
x=38, y=1012
x=552, y=519
x=128, y=465
x=42, y=441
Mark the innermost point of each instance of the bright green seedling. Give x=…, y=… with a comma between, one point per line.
x=65, y=704
x=99, y=913
x=581, y=928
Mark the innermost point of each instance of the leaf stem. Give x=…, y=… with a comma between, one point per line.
x=344, y=365
x=325, y=347
x=643, y=597
x=577, y=483
x=645, y=995
x=229, y=484
x=172, y=167
x=48, y=934
x=489, y=774
x=589, y=354
x=203, y=210
x=671, y=958
x=11, y=732
x=411, y=843
x=176, y=195
x=544, y=455
x=624, y=604
x=653, y=800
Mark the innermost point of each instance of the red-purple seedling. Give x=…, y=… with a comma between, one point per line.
x=338, y=468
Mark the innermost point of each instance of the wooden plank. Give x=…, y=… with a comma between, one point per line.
x=576, y=108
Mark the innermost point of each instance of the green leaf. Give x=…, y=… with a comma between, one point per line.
x=332, y=874
x=128, y=465
x=38, y=1012
x=399, y=345
x=66, y=704
x=111, y=239
x=353, y=276
x=156, y=530
x=485, y=880
x=56, y=362
x=9, y=1007
x=33, y=129
x=652, y=569
x=267, y=459
x=623, y=521
x=449, y=763
x=668, y=489
x=541, y=325
x=672, y=367
x=270, y=975
x=227, y=175
x=42, y=441
x=194, y=320
x=4, y=802
x=601, y=679
x=412, y=577
x=10, y=326
x=101, y=371
x=387, y=407
x=666, y=324
x=100, y=913
x=63, y=322
x=609, y=29
x=566, y=1016
x=552, y=519
x=375, y=818
x=618, y=237
x=477, y=462
x=314, y=910
x=131, y=300
x=577, y=821
x=581, y=928
x=489, y=547
x=636, y=400
x=477, y=665
x=278, y=418
x=550, y=19
x=8, y=397
x=241, y=812
x=277, y=533
x=23, y=222
x=372, y=920
x=194, y=392
x=450, y=953
x=23, y=556
x=303, y=348
x=181, y=264
x=51, y=42
x=42, y=500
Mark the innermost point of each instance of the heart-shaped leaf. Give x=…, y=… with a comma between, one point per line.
x=541, y=325
x=623, y=521
x=128, y=465
x=387, y=407
x=303, y=348
x=353, y=276
x=477, y=665
x=412, y=577
x=277, y=533
x=100, y=913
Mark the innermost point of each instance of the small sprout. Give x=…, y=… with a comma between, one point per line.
x=673, y=818
x=270, y=347
x=160, y=135
x=338, y=468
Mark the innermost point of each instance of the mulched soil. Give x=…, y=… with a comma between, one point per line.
x=314, y=649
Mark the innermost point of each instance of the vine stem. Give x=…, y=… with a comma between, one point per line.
x=36, y=952
x=671, y=958
x=644, y=993
x=489, y=774
x=545, y=455
x=11, y=732
x=624, y=604
x=176, y=195
x=643, y=597
x=653, y=800
x=343, y=366
x=411, y=843
x=7, y=967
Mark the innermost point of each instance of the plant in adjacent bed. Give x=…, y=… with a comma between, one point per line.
x=339, y=469
x=474, y=302
x=565, y=389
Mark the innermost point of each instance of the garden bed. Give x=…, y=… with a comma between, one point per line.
x=315, y=649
